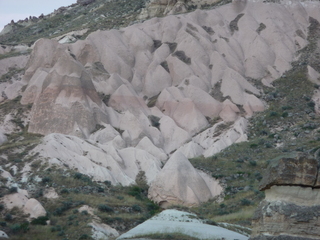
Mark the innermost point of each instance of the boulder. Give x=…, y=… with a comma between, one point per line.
x=293, y=171
x=3, y=234
x=103, y=231
x=31, y=207
x=50, y=193
x=34, y=209
x=179, y=183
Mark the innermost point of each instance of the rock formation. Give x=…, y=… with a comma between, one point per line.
x=142, y=92
x=173, y=221
x=193, y=66
x=102, y=162
x=29, y=206
x=156, y=8
x=179, y=183
x=291, y=209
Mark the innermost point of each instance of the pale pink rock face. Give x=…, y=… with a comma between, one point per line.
x=21, y=200
x=179, y=183
x=192, y=53
x=155, y=86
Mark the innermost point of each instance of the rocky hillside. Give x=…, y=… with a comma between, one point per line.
x=181, y=110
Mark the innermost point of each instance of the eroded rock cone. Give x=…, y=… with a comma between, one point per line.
x=180, y=183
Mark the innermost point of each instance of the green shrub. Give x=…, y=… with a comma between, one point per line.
x=105, y=208
x=19, y=228
x=13, y=190
x=8, y=217
x=64, y=191
x=3, y=224
x=136, y=208
x=46, y=180
x=245, y=202
x=85, y=236
x=253, y=163
x=273, y=114
x=40, y=220
x=135, y=191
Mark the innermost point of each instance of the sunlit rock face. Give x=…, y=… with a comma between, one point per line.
x=291, y=208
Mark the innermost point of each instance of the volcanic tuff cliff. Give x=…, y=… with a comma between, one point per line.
x=135, y=103
x=291, y=209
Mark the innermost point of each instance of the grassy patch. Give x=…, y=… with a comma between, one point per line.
x=173, y=235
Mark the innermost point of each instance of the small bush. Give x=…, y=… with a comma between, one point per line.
x=273, y=114
x=46, y=180
x=13, y=190
x=253, y=163
x=40, y=220
x=61, y=233
x=19, y=228
x=56, y=228
x=8, y=217
x=136, y=208
x=105, y=208
x=135, y=191
x=253, y=145
x=107, y=183
x=3, y=224
x=82, y=177
x=245, y=202
x=84, y=212
x=1, y=207
x=85, y=236
x=64, y=191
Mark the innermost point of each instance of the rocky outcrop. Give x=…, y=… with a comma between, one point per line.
x=156, y=8
x=291, y=208
x=183, y=69
x=103, y=162
x=3, y=138
x=172, y=221
x=29, y=206
x=291, y=171
x=179, y=183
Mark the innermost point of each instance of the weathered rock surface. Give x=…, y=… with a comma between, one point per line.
x=141, y=93
x=11, y=69
x=291, y=209
x=293, y=171
x=31, y=206
x=179, y=183
x=156, y=8
x=3, y=138
x=174, y=221
x=195, y=61
x=103, y=162
x=3, y=234
x=103, y=231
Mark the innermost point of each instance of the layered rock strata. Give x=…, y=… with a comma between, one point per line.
x=291, y=208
